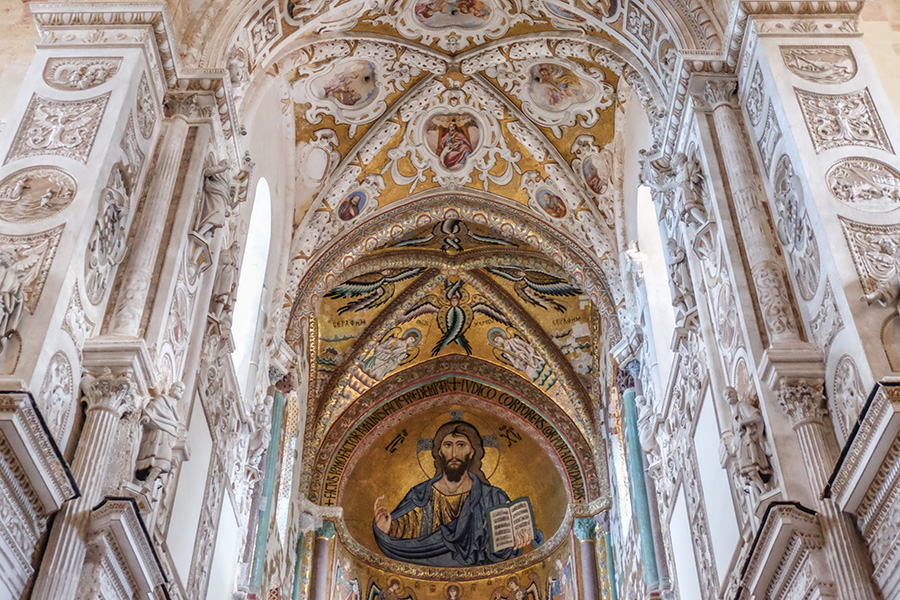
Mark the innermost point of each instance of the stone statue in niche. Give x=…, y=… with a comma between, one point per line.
x=12, y=297
x=682, y=292
x=225, y=285
x=445, y=521
x=689, y=183
x=215, y=200
x=161, y=428
x=753, y=466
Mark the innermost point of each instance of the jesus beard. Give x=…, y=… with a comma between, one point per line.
x=455, y=471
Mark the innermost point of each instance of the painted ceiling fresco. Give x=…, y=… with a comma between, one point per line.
x=457, y=239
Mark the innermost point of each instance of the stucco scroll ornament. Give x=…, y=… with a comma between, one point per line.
x=836, y=120
x=752, y=460
x=849, y=396
x=161, y=427
x=264, y=29
x=62, y=128
x=755, y=97
x=556, y=93
x=794, y=229
x=453, y=24
x=820, y=64
x=75, y=74
x=353, y=90
x=865, y=184
x=454, y=133
x=106, y=246
x=876, y=255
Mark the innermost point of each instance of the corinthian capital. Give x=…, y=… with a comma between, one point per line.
x=803, y=401
x=110, y=391
x=718, y=92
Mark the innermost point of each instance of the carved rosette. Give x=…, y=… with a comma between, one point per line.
x=803, y=402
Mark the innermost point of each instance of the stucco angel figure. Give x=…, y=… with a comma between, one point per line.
x=161, y=427
x=750, y=454
x=215, y=199
x=689, y=183
x=12, y=297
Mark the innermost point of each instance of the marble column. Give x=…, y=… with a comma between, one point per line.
x=108, y=396
x=640, y=500
x=321, y=548
x=145, y=247
x=804, y=403
x=590, y=581
x=267, y=500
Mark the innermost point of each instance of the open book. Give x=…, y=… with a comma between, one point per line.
x=506, y=520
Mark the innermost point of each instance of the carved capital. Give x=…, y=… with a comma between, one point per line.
x=584, y=529
x=721, y=92
x=803, y=401
x=114, y=392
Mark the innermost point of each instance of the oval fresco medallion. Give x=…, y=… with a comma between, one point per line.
x=594, y=174
x=440, y=14
x=555, y=87
x=551, y=202
x=35, y=193
x=561, y=12
x=865, y=184
x=452, y=138
x=352, y=205
x=351, y=84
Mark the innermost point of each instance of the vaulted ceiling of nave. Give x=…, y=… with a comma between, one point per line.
x=463, y=160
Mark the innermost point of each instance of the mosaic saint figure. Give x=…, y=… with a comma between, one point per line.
x=441, y=522
x=391, y=352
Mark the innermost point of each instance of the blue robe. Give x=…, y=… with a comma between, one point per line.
x=461, y=543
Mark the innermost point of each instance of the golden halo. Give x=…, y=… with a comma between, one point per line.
x=488, y=438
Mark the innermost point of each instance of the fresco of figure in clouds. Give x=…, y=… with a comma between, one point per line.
x=551, y=202
x=351, y=84
x=351, y=206
x=555, y=87
x=596, y=174
x=453, y=138
x=437, y=14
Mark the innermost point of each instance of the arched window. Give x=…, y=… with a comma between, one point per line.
x=656, y=280
x=250, y=285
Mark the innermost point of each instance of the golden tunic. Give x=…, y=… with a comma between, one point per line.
x=441, y=510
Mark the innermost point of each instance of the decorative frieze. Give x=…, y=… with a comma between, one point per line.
x=835, y=120
x=864, y=184
x=76, y=74
x=59, y=128
x=820, y=64
x=35, y=193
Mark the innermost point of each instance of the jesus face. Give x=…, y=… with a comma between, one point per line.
x=456, y=455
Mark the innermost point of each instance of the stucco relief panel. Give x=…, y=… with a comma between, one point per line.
x=820, y=64
x=61, y=128
x=35, y=193
x=865, y=184
x=836, y=120
x=77, y=74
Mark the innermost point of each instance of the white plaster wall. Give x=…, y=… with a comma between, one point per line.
x=224, y=562
x=683, y=551
x=189, y=495
x=723, y=525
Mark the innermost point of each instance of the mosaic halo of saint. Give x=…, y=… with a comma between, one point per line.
x=439, y=14
x=453, y=519
x=453, y=138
